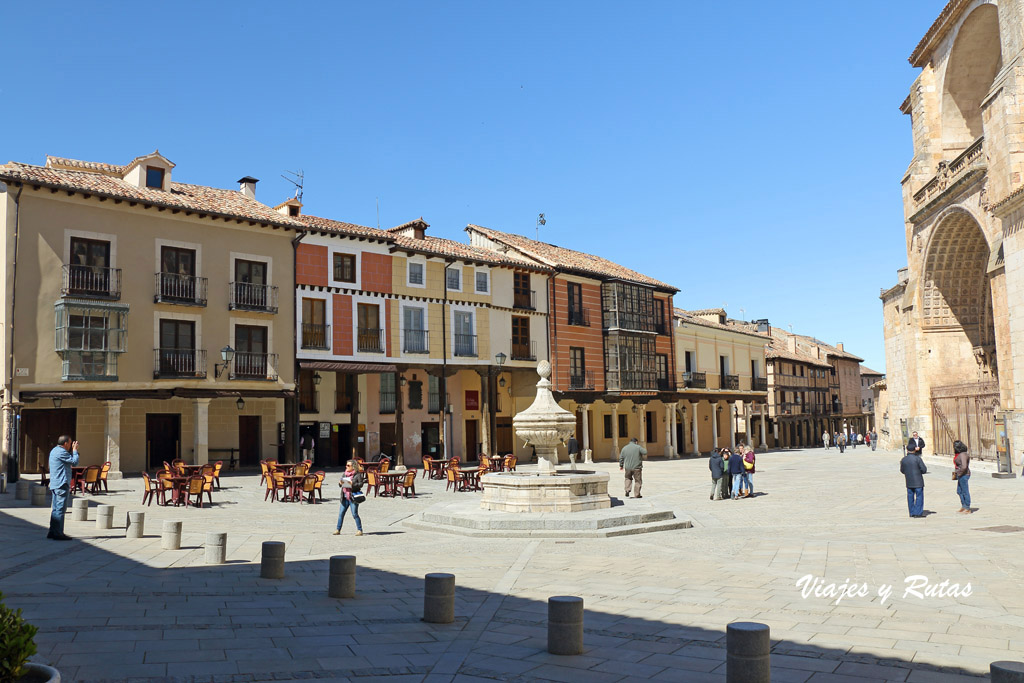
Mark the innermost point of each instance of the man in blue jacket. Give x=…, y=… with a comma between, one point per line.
x=735, y=471
x=913, y=469
x=63, y=457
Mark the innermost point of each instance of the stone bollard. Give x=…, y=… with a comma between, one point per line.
x=3, y=482
x=272, y=562
x=171, y=539
x=565, y=625
x=39, y=496
x=79, y=510
x=748, y=647
x=439, y=598
x=341, y=582
x=1007, y=672
x=104, y=516
x=588, y=456
x=21, y=489
x=216, y=547
x=136, y=525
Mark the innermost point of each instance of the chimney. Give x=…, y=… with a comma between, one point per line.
x=839, y=346
x=247, y=186
x=791, y=343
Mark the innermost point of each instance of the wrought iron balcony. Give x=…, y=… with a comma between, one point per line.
x=759, y=384
x=415, y=341
x=730, y=381
x=465, y=345
x=261, y=366
x=246, y=296
x=582, y=381
x=309, y=403
x=579, y=317
x=316, y=336
x=695, y=380
x=526, y=351
x=174, y=288
x=94, y=282
x=524, y=299
x=370, y=340
x=179, y=363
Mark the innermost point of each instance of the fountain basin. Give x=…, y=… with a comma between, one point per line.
x=561, y=491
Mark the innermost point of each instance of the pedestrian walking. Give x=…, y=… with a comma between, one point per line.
x=915, y=445
x=63, y=457
x=824, y=439
x=962, y=475
x=913, y=469
x=842, y=442
x=717, y=467
x=851, y=440
x=748, y=471
x=574, y=448
x=874, y=439
x=352, y=481
x=631, y=460
x=867, y=439
x=736, y=472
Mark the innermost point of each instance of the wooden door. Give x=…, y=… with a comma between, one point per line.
x=472, y=447
x=503, y=441
x=249, y=450
x=163, y=438
x=388, y=438
x=430, y=439
x=40, y=430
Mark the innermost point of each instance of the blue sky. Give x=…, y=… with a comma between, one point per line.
x=747, y=152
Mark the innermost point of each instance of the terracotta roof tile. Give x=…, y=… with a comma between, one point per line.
x=197, y=198
x=443, y=247
x=868, y=371
x=690, y=317
x=569, y=260
x=343, y=228
x=775, y=350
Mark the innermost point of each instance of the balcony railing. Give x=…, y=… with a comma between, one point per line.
x=759, y=384
x=370, y=340
x=465, y=345
x=309, y=403
x=316, y=336
x=582, y=381
x=415, y=341
x=730, y=381
x=179, y=363
x=579, y=317
x=246, y=296
x=695, y=380
x=526, y=351
x=91, y=281
x=524, y=299
x=950, y=172
x=173, y=288
x=254, y=366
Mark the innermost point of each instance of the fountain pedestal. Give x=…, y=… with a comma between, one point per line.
x=567, y=491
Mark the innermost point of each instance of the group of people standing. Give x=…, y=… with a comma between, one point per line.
x=732, y=474
x=914, y=469
x=841, y=440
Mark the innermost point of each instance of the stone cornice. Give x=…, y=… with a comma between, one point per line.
x=947, y=17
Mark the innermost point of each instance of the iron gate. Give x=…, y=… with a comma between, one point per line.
x=966, y=412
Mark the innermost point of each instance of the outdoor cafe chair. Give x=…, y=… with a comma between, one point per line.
x=309, y=488
x=194, y=492
x=264, y=471
x=208, y=484
x=455, y=478
x=103, y=475
x=320, y=476
x=408, y=485
x=147, y=489
x=384, y=465
x=163, y=485
x=510, y=462
x=167, y=467
x=216, y=472
x=276, y=487
x=426, y=465
x=372, y=481
x=89, y=482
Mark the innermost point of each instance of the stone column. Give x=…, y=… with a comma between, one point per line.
x=615, y=431
x=201, y=431
x=642, y=413
x=714, y=425
x=696, y=444
x=113, y=438
x=764, y=439
x=485, y=412
x=399, y=422
x=670, y=412
x=588, y=455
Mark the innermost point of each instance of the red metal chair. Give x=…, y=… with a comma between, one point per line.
x=309, y=488
x=103, y=476
x=216, y=472
x=90, y=480
x=320, y=476
x=147, y=491
x=408, y=484
x=194, y=492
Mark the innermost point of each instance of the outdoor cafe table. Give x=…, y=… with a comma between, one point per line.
x=180, y=483
x=472, y=475
x=371, y=466
x=389, y=482
x=497, y=462
x=294, y=484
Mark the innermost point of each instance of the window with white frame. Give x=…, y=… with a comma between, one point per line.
x=483, y=282
x=453, y=278
x=416, y=273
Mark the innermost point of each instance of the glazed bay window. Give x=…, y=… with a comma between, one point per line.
x=89, y=338
x=630, y=363
x=345, y=267
x=628, y=307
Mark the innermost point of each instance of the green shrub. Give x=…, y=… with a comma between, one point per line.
x=16, y=643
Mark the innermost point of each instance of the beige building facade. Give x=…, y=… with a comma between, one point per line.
x=954, y=321
x=121, y=289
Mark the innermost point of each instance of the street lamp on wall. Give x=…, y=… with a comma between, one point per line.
x=317, y=378
x=227, y=354
x=57, y=401
x=240, y=403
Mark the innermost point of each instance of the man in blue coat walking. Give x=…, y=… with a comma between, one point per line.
x=63, y=457
x=913, y=469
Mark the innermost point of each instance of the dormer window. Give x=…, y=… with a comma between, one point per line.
x=293, y=210
x=155, y=177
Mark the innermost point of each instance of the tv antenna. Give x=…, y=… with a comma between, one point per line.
x=540, y=221
x=297, y=182
x=743, y=314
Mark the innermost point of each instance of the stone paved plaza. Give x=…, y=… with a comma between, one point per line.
x=657, y=604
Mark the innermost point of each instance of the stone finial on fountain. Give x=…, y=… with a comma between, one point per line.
x=544, y=424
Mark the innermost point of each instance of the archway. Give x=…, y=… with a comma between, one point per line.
x=973, y=63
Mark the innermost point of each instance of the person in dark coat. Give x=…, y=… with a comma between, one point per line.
x=574, y=448
x=913, y=469
x=915, y=445
x=735, y=472
x=962, y=475
x=717, y=467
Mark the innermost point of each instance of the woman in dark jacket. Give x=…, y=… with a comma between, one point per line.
x=717, y=467
x=351, y=483
x=962, y=475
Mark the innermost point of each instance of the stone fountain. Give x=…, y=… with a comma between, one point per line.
x=544, y=425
